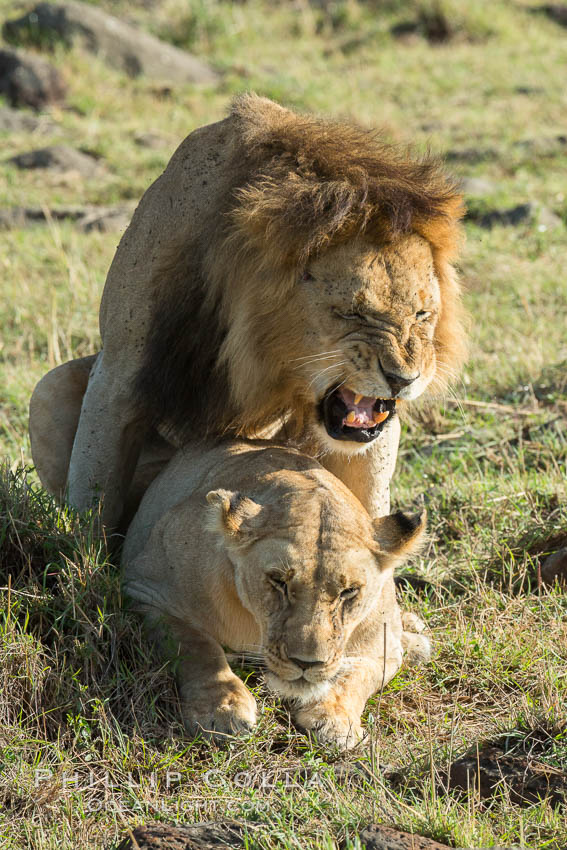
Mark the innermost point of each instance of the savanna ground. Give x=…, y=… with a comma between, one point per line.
x=82, y=701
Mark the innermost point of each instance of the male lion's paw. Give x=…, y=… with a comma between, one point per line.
x=219, y=712
x=335, y=727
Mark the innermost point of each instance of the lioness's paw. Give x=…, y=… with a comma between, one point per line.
x=412, y=623
x=417, y=648
x=220, y=712
x=330, y=728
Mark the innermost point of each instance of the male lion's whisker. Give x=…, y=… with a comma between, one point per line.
x=319, y=356
x=322, y=372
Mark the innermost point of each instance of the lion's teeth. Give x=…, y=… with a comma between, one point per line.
x=379, y=417
x=351, y=416
x=358, y=398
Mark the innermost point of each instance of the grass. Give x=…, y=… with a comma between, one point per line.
x=90, y=733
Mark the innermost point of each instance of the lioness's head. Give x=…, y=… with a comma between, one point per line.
x=309, y=565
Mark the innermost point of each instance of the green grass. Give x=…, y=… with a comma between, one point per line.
x=82, y=698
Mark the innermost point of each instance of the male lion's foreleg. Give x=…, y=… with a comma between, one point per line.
x=107, y=443
x=335, y=719
x=368, y=473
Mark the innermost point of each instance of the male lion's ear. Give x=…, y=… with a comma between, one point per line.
x=232, y=513
x=400, y=534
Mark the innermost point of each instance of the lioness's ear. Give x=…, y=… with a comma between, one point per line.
x=232, y=513
x=400, y=534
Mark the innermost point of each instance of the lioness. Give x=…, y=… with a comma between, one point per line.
x=283, y=272
x=258, y=548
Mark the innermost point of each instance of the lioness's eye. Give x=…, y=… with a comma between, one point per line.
x=350, y=593
x=421, y=315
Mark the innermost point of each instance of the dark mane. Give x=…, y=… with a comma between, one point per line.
x=302, y=184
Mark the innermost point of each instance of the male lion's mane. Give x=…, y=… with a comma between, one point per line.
x=217, y=359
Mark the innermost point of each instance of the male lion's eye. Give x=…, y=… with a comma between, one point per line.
x=278, y=583
x=307, y=276
x=349, y=593
x=348, y=316
x=421, y=315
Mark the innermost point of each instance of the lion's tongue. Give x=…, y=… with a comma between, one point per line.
x=360, y=414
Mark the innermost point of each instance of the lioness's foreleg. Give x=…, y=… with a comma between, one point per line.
x=214, y=701
x=108, y=441
x=335, y=719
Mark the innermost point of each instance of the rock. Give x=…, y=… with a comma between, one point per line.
x=522, y=213
x=121, y=45
x=491, y=772
x=27, y=80
x=201, y=836
x=379, y=837
x=59, y=158
x=554, y=568
x=104, y=219
x=555, y=11
x=153, y=140
x=543, y=145
x=475, y=187
x=16, y=121
x=471, y=154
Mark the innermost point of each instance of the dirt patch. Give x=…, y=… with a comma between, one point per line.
x=512, y=767
x=201, y=836
x=380, y=837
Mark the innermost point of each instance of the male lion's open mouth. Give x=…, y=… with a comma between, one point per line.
x=351, y=416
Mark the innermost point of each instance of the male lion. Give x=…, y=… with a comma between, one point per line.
x=284, y=565
x=283, y=272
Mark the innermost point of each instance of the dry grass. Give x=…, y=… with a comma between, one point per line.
x=82, y=700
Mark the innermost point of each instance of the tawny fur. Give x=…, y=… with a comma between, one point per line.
x=209, y=330
x=250, y=546
x=306, y=185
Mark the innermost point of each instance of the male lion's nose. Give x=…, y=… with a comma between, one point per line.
x=398, y=382
x=305, y=665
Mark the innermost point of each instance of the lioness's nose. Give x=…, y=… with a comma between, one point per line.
x=398, y=382
x=305, y=664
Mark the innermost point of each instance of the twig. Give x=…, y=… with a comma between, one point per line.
x=491, y=405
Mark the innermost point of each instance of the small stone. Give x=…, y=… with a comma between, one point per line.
x=529, y=213
x=28, y=80
x=88, y=218
x=60, y=158
x=19, y=121
x=152, y=140
x=554, y=568
x=379, y=837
